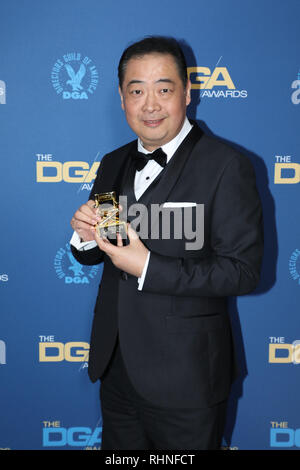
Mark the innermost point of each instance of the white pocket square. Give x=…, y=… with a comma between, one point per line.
x=179, y=204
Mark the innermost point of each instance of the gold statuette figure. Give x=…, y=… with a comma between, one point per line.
x=108, y=210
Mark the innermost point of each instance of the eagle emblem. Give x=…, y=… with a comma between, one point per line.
x=75, y=78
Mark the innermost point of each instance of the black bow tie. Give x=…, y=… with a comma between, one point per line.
x=141, y=159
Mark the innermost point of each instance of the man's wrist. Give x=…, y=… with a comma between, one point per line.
x=80, y=244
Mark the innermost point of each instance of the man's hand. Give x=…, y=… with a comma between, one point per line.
x=130, y=258
x=84, y=221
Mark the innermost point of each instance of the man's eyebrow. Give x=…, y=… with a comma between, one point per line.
x=134, y=81
x=165, y=80
x=161, y=80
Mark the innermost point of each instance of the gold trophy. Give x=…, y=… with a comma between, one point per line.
x=108, y=210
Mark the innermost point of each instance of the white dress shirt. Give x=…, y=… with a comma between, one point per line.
x=142, y=180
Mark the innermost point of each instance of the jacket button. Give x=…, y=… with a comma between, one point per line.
x=124, y=276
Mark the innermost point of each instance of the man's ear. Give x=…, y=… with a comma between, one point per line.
x=122, y=98
x=188, y=92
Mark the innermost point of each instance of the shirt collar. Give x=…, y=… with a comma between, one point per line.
x=170, y=147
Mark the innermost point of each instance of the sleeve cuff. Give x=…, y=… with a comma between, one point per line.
x=142, y=278
x=81, y=246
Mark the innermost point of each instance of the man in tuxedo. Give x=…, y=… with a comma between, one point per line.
x=161, y=341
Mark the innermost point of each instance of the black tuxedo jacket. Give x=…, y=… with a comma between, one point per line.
x=175, y=334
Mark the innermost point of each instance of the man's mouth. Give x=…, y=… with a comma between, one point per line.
x=152, y=122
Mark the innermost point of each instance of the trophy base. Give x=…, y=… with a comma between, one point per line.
x=110, y=231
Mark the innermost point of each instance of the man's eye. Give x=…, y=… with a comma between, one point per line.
x=136, y=92
x=165, y=90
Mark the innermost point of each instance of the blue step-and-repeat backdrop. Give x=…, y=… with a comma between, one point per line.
x=244, y=63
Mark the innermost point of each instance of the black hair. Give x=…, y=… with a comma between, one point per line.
x=152, y=45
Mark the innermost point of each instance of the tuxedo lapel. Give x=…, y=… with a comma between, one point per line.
x=127, y=180
x=161, y=187
x=125, y=177
x=167, y=178
x=173, y=170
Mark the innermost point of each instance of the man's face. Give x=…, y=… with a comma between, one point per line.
x=154, y=99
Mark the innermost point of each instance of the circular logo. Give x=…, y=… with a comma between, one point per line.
x=68, y=268
x=294, y=265
x=74, y=76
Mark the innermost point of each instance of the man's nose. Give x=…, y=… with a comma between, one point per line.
x=151, y=103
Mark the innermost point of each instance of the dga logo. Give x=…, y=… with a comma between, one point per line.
x=54, y=351
x=296, y=86
x=294, y=265
x=281, y=435
x=281, y=352
x=50, y=171
x=2, y=352
x=55, y=435
x=216, y=83
x=68, y=268
x=2, y=92
x=74, y=76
